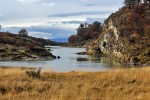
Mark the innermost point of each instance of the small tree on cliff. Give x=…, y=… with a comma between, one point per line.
x=97, y=24
x=131, y=3
x=127, y=3
x=72, y=39
x=147, y=2
x=23, y=32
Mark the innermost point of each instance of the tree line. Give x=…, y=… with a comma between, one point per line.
x=131, y=3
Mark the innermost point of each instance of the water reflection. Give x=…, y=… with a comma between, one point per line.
x=89, y=58
x=82, y=59
x=108, y=61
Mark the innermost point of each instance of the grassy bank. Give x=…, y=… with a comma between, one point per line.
x=130, y=84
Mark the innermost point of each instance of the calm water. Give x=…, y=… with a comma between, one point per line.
x=69, y=61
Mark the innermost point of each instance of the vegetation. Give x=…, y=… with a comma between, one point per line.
x=113, y=85
x=126, y=35
x=22, y=39
x=23, y=47
x=133, y=26
x=129, y=35
x=86, y=32
x=131, y=3
x=147, y=2
x=23, y=32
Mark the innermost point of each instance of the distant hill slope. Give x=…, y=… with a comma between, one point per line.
x=16, y=47
x=60, y=39
x=126, y=35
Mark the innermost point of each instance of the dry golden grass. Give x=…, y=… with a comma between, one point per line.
x=127, y=84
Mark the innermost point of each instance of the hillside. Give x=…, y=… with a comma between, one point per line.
x=86, y=33
x=126, y=35
x=17, y=47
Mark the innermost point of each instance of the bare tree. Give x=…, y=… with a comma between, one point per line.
x=23, y=32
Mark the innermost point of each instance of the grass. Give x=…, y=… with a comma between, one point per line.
x=127, y=84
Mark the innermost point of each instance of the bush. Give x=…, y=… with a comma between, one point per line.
x=72, y=39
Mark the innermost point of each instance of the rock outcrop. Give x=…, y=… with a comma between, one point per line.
x=126, y=35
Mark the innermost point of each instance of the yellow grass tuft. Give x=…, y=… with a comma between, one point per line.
x=127, y=84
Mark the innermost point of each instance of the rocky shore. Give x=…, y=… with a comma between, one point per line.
x=21, y=54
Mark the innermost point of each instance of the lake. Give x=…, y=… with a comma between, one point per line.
x=69, y=61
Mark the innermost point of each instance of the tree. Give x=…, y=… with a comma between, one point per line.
x=81, y=26
x=97, y=25
x=72, y=39
x=131, y=3
x=23, y=32
x=147, y=1
x=127, y=3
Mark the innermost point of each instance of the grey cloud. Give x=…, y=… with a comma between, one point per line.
x=105, y=3
x=45, y=31
x=91, y=20
x=80, y=13
x=41, y=35
x=72, y=22
x=56, y=32
x=30, y=12
x=2, y=17
x=65, y=22
x=90, y=4
x=52, y=31
x=88, y=20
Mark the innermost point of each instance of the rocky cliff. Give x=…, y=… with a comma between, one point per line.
x=126, y=36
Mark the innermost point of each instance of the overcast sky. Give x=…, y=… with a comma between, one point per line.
x=53, y=18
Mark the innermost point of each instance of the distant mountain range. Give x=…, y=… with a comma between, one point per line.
x=60, y=39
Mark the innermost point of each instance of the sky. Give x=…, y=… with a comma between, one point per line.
x=53, y=19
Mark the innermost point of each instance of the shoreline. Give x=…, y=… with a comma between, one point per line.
x=76, y=71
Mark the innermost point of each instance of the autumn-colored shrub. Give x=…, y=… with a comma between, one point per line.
x=139, y=8
x=72, y=39
x=86, y=32
x=147, y=29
